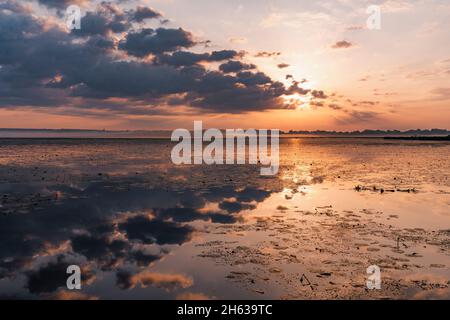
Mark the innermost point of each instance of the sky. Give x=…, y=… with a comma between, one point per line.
x=285, y=64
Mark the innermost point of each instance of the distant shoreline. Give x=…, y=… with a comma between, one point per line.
x=413, y=134
x=282, y=137
x=420, y=138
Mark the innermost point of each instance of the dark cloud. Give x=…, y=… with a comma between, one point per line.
x=342, y=45
x=235, y=66
x=107, y=18
x=283, y=65
x=185, y=58
x=225, y=54
x=334, y=106
x=128, y=79
x=98, y=247
x=44, y=66
x=14, y=7
x=316, y=104
x=234, y=206
x=48, y=279
x=265, y=54
x=60, y=4
x=233, y=100
x=52, y=276
x=295, y=88
x=92, y=211
x=144, y=259
x=104, y=222
x=187, y=214
x=101, y=42
x=156, y=231
x=143, y=13
x=250, y=194
x=149, y=41
x=253, y=78
x=14, y=27
x=180, y=214
x=93, y=24
x=318, y=94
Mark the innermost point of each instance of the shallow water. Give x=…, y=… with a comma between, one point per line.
x=142, y=228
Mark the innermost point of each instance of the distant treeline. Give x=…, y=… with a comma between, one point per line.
x=421, y=138
x=382, y=133
x=416, y=132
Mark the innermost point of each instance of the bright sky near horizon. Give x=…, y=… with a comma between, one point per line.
x=286, y=64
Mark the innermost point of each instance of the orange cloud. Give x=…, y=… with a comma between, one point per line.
x=146, y=278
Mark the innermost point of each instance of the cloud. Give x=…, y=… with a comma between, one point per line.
x=356, y=27
x=441, y=93
x=235, y=66
x=370, y=103
x=97, y=242
x=169, y=282
x=188, y=214
x=185, y=58
x=334, y=106
x=354, y=116
x=364, y=79
x=105, y=223
x=61, y=4
x=342, y=45
x=394, y=6
x=70, y=295
x=182, y=58
x=97, y=247
x=156, y=231
x=150, y=71
x=237, y=40
x=52, y=276
x=108, y=18
x=16, y=7
x=225, y=54
x=316, y=104
x=144, y=259
x=318, y=94
x=143, y=13
x=149, y=41
x=266, y=54
x=250, y=194
x=192, y=296
x=234, y=206
x=283, y=65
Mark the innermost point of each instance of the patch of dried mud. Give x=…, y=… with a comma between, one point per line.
x=324, y=254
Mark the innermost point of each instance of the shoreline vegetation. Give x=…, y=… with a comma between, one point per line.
x=420, y=138
x=413, y=134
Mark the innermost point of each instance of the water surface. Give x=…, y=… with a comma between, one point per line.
x=142, y=228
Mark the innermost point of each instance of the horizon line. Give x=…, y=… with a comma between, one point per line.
x=293, y=131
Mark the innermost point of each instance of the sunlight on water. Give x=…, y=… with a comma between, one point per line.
x=140, y=227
